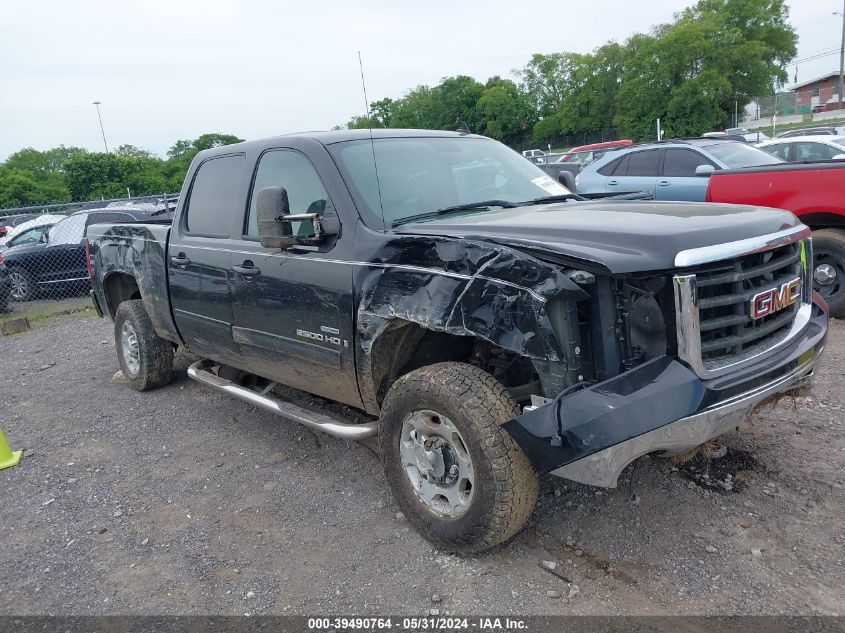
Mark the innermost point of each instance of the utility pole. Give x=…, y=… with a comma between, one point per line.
x=97, y=104
x=842, y=57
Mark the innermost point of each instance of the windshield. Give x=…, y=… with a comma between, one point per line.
x=736, y=155
x=420, y=175
x=71, y=230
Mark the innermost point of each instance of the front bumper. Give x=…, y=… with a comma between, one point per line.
x=591, y=435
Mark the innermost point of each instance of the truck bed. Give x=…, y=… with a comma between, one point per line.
x=139, y=251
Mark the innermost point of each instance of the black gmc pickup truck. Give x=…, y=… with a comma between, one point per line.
x=494, y=326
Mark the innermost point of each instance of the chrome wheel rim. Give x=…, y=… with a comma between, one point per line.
x=19, y=286
x=129, y=348
x=437, y=463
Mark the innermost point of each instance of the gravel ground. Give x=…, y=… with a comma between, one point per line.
x=183, y=501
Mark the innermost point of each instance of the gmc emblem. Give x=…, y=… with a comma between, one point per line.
x=774, y=299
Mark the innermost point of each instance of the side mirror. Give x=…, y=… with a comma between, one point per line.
x=567, y=179
x=274, y=220
x=839, y=157
x=704, y=170
x=273, y=207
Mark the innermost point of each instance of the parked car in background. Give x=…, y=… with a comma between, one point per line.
x=535, y=155
x=813, y=192
x=725, y=136
x=793, y=149
x=7, y=223
x=58, y=264
x=585, y=154
x=670, y=170
x=5, y=287
x=809, y=131
x=754, y=136
x=30, y=231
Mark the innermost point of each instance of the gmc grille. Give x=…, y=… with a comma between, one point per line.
x=731, y=311
x=725, y=291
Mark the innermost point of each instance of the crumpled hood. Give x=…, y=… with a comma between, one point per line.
x=622, y=236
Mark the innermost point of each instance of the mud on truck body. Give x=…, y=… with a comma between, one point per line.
x=492, y=325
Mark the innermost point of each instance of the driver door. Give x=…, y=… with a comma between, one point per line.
x=293, y=309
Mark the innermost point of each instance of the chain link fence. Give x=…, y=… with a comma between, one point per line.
x=44, y=266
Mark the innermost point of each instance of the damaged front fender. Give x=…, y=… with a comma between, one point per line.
x=459, y=287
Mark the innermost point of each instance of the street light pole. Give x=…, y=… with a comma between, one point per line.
x=842, y=57
x=97, y=104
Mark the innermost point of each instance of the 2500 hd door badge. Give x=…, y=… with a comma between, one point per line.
x=320, y=337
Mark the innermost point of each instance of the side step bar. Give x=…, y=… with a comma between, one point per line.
x=317, y=421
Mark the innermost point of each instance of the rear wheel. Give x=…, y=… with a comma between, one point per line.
x=21, y=286
x=145, y=358
x=457, y=475
x=829, y=268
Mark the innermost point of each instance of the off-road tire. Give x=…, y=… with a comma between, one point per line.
x=506, y=485
x=155, y=355
x=832, y=241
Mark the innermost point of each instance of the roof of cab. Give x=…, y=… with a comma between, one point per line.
x=339, y=136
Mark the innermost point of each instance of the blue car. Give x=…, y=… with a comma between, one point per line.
x=669, y=170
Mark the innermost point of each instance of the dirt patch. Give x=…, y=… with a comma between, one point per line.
x=727, y=474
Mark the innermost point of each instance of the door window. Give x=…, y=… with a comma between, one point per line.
x=781, y=150
x=681, y=163
x=617, y=167
x=642, y=163
x=28, y=237
x=816, y=151
x=213, y=196
x=294, y=172
x=67, y=231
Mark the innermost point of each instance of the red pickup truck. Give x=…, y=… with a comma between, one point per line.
x=815, y=192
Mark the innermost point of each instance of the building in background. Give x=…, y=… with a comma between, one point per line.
x=819, y=94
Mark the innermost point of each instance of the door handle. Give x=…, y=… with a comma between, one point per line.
x=180, y=260
x=247, y=269
x=663, y=183
x=612, y=183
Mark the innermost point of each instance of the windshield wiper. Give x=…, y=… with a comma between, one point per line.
x=471, y=206
x=564, y=197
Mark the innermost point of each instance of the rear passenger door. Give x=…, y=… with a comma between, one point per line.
x=678, y=180
x=635, y=172
x=198, y=258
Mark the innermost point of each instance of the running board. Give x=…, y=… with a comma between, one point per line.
x=316, y=421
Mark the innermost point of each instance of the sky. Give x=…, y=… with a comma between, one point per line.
x=174, y=69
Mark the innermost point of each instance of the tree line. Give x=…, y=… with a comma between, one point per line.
x=693, y=74
x=65, y=174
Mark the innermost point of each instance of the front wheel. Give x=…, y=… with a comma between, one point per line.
x=829, y=268
x=457, y=475
x=145, y=358
x=21, y=286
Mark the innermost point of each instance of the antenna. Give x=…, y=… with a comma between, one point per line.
x=372, y=142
